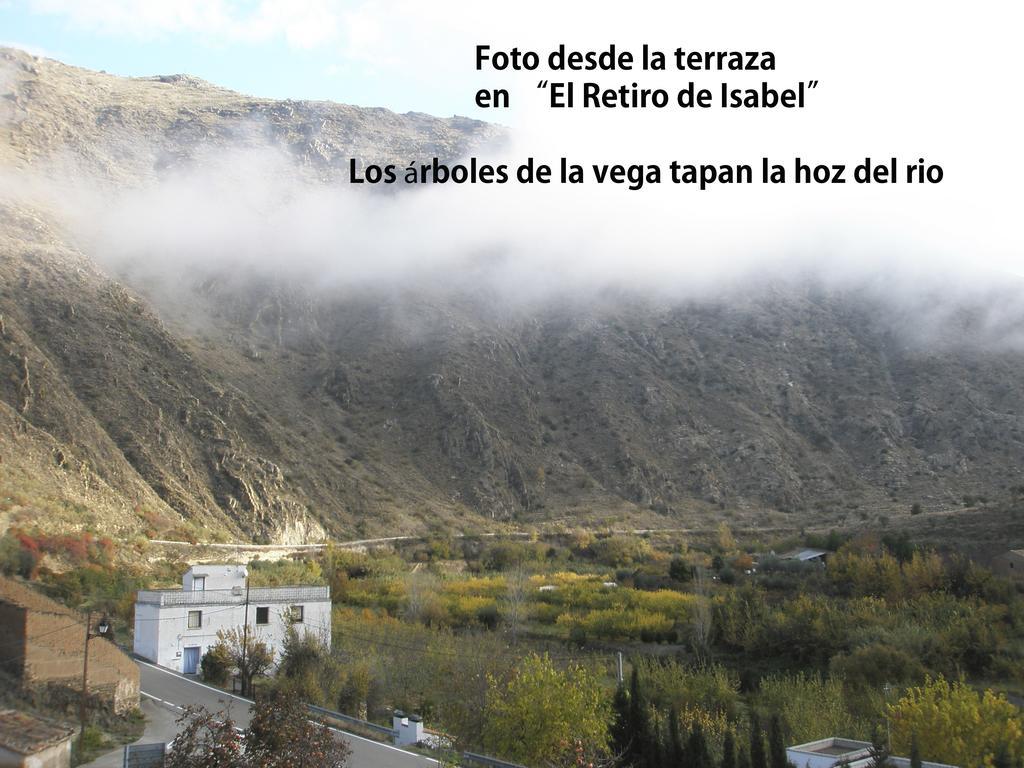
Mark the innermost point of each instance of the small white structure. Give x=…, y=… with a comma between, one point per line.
x=408, y=728
x=832, y=752
x=175, y=627
x=806, y=555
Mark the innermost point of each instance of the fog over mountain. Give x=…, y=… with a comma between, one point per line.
x=205, y=330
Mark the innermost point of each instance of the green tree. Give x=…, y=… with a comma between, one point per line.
x=301, y=653
x=250, y=655
x=545, y=715
x=955, y=724
x=216, y=665
x=679, y=569
x=308, y=669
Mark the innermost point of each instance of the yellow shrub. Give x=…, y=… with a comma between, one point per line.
x=666, y=601
x=613, y=622
x=489, y=586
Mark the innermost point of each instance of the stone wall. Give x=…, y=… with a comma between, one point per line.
x=46, y=641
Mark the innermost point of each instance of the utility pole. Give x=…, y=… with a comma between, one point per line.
x=102, y=628
x=245, y=637
x=85, y=682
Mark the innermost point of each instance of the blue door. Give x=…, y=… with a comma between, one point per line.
x=190, y=664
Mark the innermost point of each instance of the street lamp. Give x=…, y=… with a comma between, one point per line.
x=102, y=630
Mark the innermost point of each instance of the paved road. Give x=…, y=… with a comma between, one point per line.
x=160, y=728
x=171, y=688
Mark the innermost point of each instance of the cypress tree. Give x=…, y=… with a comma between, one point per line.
x=621, y=731
x=659, y=751
x=1002, y=757
x=758, y=758
x=697, y=755
x=915, y=752
x=675, y=749
x=728, y=751
x=777, y=744
x=643, y=745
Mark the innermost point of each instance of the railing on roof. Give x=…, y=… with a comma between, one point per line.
x=234, y=596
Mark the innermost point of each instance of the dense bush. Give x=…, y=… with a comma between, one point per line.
x=503, y=555
x=21, y=551
x=216, y=666
x=616, y=551
x=282, y=573
x=873, y=666
x=811, y=707
x=671, y=685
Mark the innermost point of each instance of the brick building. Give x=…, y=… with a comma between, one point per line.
x=43, y=643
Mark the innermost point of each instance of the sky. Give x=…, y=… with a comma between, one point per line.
x=934, y=80
x=299, y=49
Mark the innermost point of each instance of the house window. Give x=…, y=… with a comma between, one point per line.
x=297, y=614
x=198, y=583
x=263, y=615
x=195, y=619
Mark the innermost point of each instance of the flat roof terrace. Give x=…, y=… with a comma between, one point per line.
x=234, y=596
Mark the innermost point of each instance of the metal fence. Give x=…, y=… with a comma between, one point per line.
x=491, y=762
x=328, y=714
x=468, y=758
x=144, y=755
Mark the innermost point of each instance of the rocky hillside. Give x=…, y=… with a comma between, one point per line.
x=257, y=407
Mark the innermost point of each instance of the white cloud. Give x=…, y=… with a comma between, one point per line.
x=911, y=80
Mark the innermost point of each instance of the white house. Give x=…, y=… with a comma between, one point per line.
x=175, y=627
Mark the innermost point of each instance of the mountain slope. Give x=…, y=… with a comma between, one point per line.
x=224, y=403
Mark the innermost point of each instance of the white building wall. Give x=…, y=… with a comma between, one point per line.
x=162, y=633
x=805, y=760
x=147, y=630
x=215, y=576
